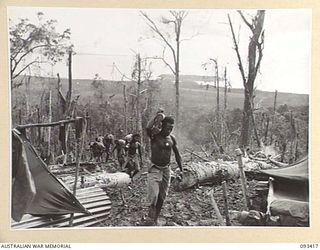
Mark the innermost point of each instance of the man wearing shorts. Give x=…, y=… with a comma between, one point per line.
x=162, y=144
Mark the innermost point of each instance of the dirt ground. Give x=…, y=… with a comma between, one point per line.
x=190, y=207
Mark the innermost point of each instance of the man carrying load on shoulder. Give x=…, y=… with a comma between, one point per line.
x=162, y=144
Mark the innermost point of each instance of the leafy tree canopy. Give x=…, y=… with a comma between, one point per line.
x=28, y=40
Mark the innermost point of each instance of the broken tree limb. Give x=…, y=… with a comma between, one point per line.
x=111, y=180
x=243, y=178
x=216, y=209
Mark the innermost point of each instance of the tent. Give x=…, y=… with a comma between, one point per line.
x=288, y=195
x=35, y=190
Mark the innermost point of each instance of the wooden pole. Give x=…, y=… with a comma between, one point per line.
x=79, y=151
x=243, y=178
x=50, y=124
x=226, y=209
x=216, y=209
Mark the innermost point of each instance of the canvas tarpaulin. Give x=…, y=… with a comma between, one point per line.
x=295, y=172
x=289, y=193
x=35, y=190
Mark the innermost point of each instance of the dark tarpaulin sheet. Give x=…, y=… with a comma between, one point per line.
x=296, y=172
x=51, y=197
x=289, y=193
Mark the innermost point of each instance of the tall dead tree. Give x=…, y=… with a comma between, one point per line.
x=138, y=108
x=225, y=89
x=125, y=101
x=141, y=75
x=218, y=100
x=69, y=93
x=273, y=115
x=225, y=107
x=49, y=153
x=176, y=20
x=255, y=49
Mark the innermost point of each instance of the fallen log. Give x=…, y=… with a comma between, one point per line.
x=112, y=180
x=214, y=172
x=101, y=179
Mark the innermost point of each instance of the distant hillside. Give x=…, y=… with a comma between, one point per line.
x=193, y=95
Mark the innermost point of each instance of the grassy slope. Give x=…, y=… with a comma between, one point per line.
x=193, y=96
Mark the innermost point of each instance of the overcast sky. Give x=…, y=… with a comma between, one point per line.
x=103, y=37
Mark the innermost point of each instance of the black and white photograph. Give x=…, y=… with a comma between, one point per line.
x=159, y=118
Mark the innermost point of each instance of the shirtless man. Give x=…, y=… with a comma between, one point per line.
x=134, y=156
x=97, y=149
x=162, y=143
x=108, y=142
x=120, y=149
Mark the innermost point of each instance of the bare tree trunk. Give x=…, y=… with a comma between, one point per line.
x=177, y=74
x=273, y=116
x=218, y=104
x=138, y=118
x=103, y=123
x=255, y=129
x=178, y=17
x=225, y=88
x=39, y=129
x=266, y=130
x=244, y=136
x=254, y=63
x=49, y=128
x=283, y=152
x=69, y=94
x=125, y=101
x=69, y=108
x=27, y=94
